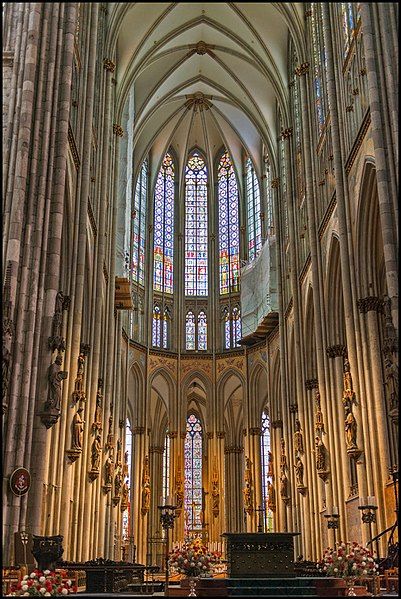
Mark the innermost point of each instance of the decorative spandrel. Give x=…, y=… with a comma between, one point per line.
x=196, y=226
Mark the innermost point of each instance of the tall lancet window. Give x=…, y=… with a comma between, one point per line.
x=127, y=478
x=164, y=227
x=228, y=226
x=253, y=211
x=266, y=473
x=349, y=23
x=166, y=467
x=196, y=236
x=319, y=64
x=193, y=499
x=139, y=225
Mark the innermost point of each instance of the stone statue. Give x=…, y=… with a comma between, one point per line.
x=271, y=497
x=124, y=496
x=350, y=429
x=125, y=466
x=247, y=497
x=5, y=371
x=320, y=454
x=77, y=430
x=118, y=483
x=95, y=453
x=270, y=471
x=110, y=436
x=97, y=420
x=248, y=471
x=319, y=425
x=78, y=393
x=58, y=316
x=348, y=394
x=283, y=457
x=108, y=472
x=391, y=374
x=298, y=439
x=299, y=472
x=55, y=375
x=283, y=486
x=145, y=498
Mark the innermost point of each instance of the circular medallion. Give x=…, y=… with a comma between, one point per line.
x=20, y=481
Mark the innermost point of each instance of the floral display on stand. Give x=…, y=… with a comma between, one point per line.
x=193, y=559
x=43, y=584
x=349, y=561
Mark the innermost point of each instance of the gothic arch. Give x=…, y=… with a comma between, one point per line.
x=136, y=389
x=309, y=336
x=258, y=383
x=334, y=296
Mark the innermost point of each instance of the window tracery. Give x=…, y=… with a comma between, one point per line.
x=164, y=227
x=193, y=453
x=253, y=211
x=228, y=226
x=266, y=471
x=196, y=226
x=139, y=225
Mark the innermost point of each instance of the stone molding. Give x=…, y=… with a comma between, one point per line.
x=302, y=69
x=367, y=304
x=311, y=384
x=336, y=351
x=118, y=130
x=109, y=65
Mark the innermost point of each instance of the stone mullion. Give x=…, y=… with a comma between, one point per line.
x=62, y=90
x=377, y=451
x=346, y=254
x=387, y=202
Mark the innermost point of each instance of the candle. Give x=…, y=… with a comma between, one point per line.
x=335, y=511
x=361, y=501
x=373, y=500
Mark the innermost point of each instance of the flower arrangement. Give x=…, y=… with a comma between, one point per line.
x=347, y=560
x=194, y=559
x=43, y=584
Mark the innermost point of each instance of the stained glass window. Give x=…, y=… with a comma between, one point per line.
x=348, y=25
x=128, y=449
x=202, y=331
x=190, y=330
x=166, y=467
x=253, y=211
x=139, y=225
x=237, y=329
x=156, y=323
x=266, y=473
x=232, y=328
x=164, y=227
x=228, y=226
x=193, y=500
x=196, y=236
x=319, y=64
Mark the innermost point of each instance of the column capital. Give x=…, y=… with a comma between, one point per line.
x=311, y=384
x=156, y=449
x=220, y=434
x=302, y=69
x=255, y=430
x=336, y=351
x=286, y=133
x=277, y=423
x=233, y=449
x=293, y=407
x=275, y=183
x=366, y=304
x=138, y=430
x=118, y=130
x=109, y=65
x=172, y=434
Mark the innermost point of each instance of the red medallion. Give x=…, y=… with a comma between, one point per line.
x=20, y=481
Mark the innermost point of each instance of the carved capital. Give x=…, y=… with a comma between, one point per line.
x=85, y=348
x=302, y=69
x=233, y=449
x=172, y=434
x=220, y=434
x=277, y=424
x=286, y=133
x=183, y=434
x=73, y=454
x=311, y=384
x=118, y=130
x=367, y=304
x=275, y=183
x=109, y=65
x=156, y=449
x=210, y=435
x=336, y=351
x=256, y=430
x=138, y=430
x=293, y=407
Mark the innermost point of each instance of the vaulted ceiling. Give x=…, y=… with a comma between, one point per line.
x=204, y=74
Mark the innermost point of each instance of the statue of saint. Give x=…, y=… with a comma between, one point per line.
x=95, y=453
x=271, y=497
x=247, y=496
x=55, y=375
x=320, y=454
x=270, y=471
x=145, y=498
x=77, y=430
x=348, y=393
x=319, y=425
x=391, y=382
x=299, y=472
x=298, y=440
x=124, y=496
x=350, y=429
x=118, y=483
x=108, y=471
x=283, y=457
x=97, y=420
x=58, y=316
x=283, y=486
x=5, y=370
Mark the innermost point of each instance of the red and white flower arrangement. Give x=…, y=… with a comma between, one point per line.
x=194, y=559
x=43, y=584
x=348, y=560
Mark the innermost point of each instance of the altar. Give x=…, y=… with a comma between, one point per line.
x=259, y=554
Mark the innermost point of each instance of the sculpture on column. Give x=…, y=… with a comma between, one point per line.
x=52, y=408
x=270, y=471
x=95, y=458
x=118, y=483
x=298, y=439
x=56, y=341
x=179, y=486
x=248, y=494
x=283, y=457
x=284, y=488
x=391, y=381
x=108, y=474
x=125, y=466
x=271, y=497
x=79, y=393
x=98, y=417
x=8, y=331
x=320, y=457
x=350, y=430
x=348, y=393
x=299, y=474
x=110, y=435
x=77, y=435
x=319, y=424
x=215, y=490
x=145, y=487
x=124, y=497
